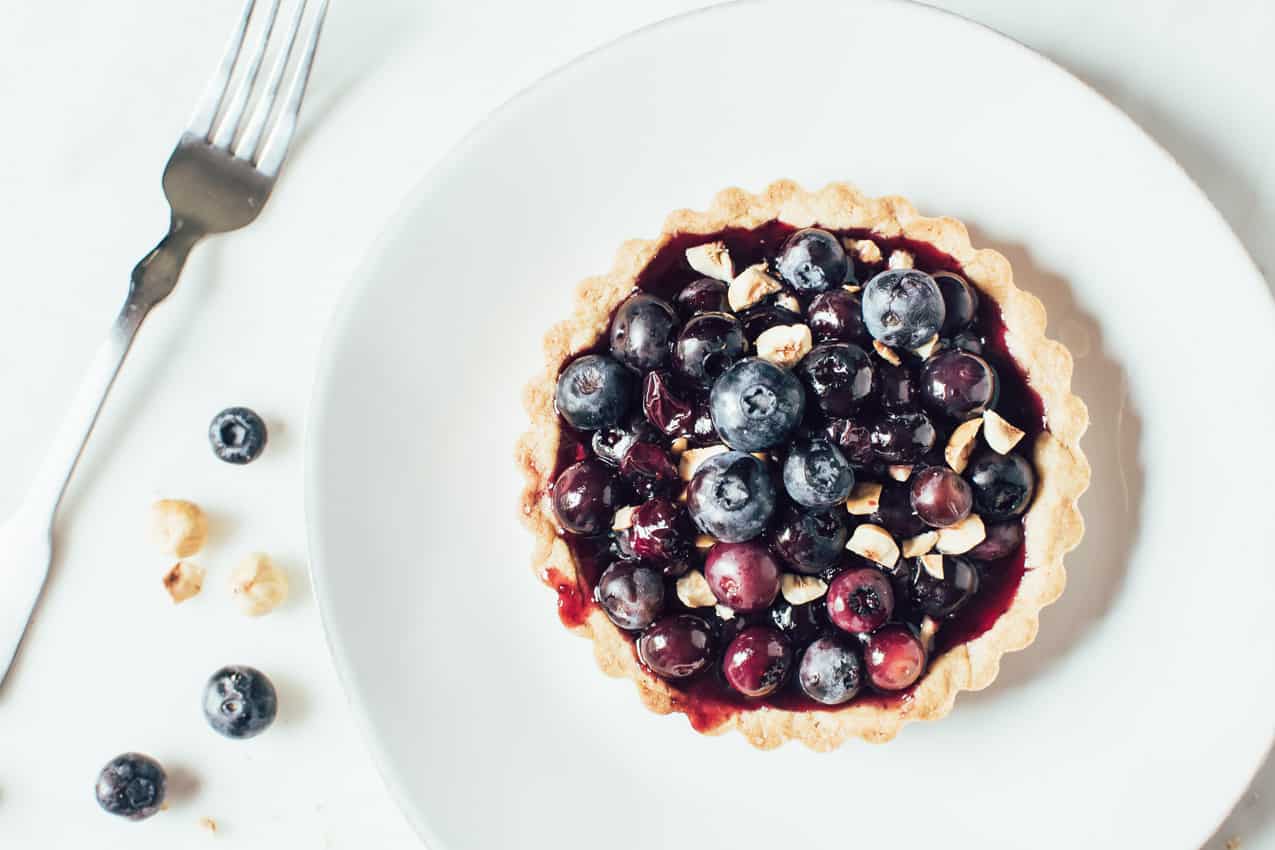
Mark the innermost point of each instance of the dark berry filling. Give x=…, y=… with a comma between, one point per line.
x=761, y=520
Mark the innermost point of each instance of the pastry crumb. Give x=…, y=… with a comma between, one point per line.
x=208, y=824
x=1234, y=843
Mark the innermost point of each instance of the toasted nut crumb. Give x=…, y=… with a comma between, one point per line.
x=623, y=518
x=929, y=628
x=926, y=350
x=865, y=498
x=784, y=345
x=864, y=250
x=901, y=260
x=874, y=543
x=692, y=458
x=1234, y=843
x=962, y=537
x=899, y=471
x=923, y=543
x=725, y=613
x=788, y=301
x=208, y=824
x=752, y=285
x=799, y=590
x=178, y=527
x=258, y=584
x=712, y=260
x=887, y=353
x=184, y=580
x=705, y=541
x=1000, y=435
x=933, y=564
x=961, y=445
x=852, y=288
x=694, y=591
x=679, y=445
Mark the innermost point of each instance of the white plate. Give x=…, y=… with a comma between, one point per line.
x=1143, y=708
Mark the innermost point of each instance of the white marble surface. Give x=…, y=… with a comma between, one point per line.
x=93, y=96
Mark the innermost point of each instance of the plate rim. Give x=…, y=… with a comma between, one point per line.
x=339, y=321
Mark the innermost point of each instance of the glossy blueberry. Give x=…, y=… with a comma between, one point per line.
x=816, y=474
x=837, y=316
x=707, y=346
x=812, y=260
x=810, y=541
x=585, y=498
x=240, y=702
x=898, y=388
x=743, y=576
x=757, y=320
x=238, y=435
x=860, y=600
x=800, y=623
x=894, y=512
x=611, y=444
x=702, y=296
x=649, y=471
x=677, y=647
x=902, y=437
x=1003, y=485
x=894, y=658
x=756, y=404
x=661, y=531
x=1002, y=540
x=631, y=595
x=903, y=308
x=968, y=341
x=595, y=391
x=940, y=597
x=831, y=671
x=958, y=384
x=757, y=661
x=642, y=331
x=664, y=407
x=854, y=439
x=132, y=786
x=960, y=302
x=731, y=496
x=839, y=375
x=941, y=497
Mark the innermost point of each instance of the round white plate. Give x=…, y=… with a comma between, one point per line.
x=1144, y=707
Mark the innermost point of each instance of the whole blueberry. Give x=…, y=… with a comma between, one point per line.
x=702, y=296
x=756, y=404
x=677, y=647
x=831, y=671
x=585, y=497
x=903, y=437
x=707, y=346
x=240, y=702
x=903, y=308
x=812, y=260
x=1003, y=485
x=816, y=474
x=731, y=496
x=960, y=302
x=837, y=316
x=811, y=541
x=968, y=341
x=631, y=595
x=642, y=331
x=743, y=576
x=854, y=439
x=1002, y=540
x=595, y=391
x=664, y=406
x=800, y=623
x=959, y=384
x=611, y=444
x=757, y=320
x=757, y=661
x=238, y=435
x=131, y=786
x=940, y=597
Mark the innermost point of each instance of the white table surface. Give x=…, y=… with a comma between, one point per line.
x=93, y=95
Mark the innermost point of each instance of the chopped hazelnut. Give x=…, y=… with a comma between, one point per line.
x=184, y=580
x=933, y=564
x=864, y=250
x=852, y=288
x=926, y=350
x=692, y=458
x=694, y=591
x=899, y=471
x=1000, y=435
x=784, y=345
x=962, y=537
x=712, y=260
x=208, y=824
x=705, y=541
x=725, y=613
x=887, y=353
x=788, y=301
x=865, y=498
x=178, y=527
x=874, y=543
x=961, y=445
x=258, y=584
x=679, y=445
x=752, y=285
x=623, y=518
x=922, y=544
x=799, y=590
x=929, y=628
x=901, y=260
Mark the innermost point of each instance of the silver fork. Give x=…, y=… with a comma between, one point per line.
x=217, y=180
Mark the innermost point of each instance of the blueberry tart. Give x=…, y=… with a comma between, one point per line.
x=805, y=465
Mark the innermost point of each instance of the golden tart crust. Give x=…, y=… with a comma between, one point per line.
x=1053, y=524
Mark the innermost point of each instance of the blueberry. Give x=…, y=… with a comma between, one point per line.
x=595, y=391
x=611, y=444
x=903, y=308
x=757, y=661
x=731, y=496
x=131, y=786
x=756, y=405
x=968, y=341
x=757, y=320
x=812, y=260
x=837, y=316
x=702, y=296
x=940, y=597
x=631, y=595
x=839, y=375
x=816, y=474
x=854, y=439
x=960, y=302
x=903, y=437
x=831, y=671
x=743, y=576
x=677, y=647
x=642, y=331
x=959, y=384
x=585, y=496
x=239, y=702
x=237, y=435
x=1003, y=485
x=811, y=541
x=800, y=623
x=665, y=408
x=707, y=346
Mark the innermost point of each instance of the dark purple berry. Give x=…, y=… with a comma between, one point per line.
x=894, y=512
x=238, y=435
x=661, y=531
x=584, y=497
x=240, y=702
x=894, y=658
x=666, y=409
x=757, y=320
x=854, y=439
x=811, y=541
x=631, y=595
x=837, y=316
x=131, y=786
x=960, y=302
x=707, y=346
x=594, y=391
x=860, y=600
x=816, y=474
x=743, y=576
x=800, y=623
x=731, y=496
x=958, y=384
x=642, y=331
x=940, y=496
x=831, y=671
x=677, y=647
x=898, y=388
x=1003, y=485
x=940, y=597
x=702, y=296
x=903, y=437
x=756, y=405
x=839, y=375
x=1002, y=540
x=812, y=260
x=757, y=661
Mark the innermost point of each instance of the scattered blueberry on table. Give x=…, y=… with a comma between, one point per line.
x=240, y=702
x=238, y=435
x=132, y=786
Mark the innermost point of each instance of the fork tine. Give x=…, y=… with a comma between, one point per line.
x=276, y=144
x=246, y=147
x=201, y=122
x=229, y=124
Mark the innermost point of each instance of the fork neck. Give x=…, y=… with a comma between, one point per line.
x=156, y=275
